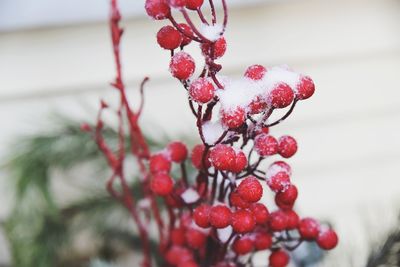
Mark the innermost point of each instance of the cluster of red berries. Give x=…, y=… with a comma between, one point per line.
x=219, y=215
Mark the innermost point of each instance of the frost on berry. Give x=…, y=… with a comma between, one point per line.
x=223, y=157
x=250, y=189
x=240, y=162
x=233, y=118
x=305, y=88
x=287, y=146
x=255, y=72
x=194, y=4
x=157, y=9
x=201, y=90
x=182, y=66
x=169, y=38
x=281, y=96
x=265, y=145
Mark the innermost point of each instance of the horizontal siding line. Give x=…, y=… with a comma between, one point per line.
x=235, y=70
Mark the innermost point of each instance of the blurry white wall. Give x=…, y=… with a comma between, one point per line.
x=347, y=165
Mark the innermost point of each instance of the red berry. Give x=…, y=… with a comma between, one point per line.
x=188, y=32
x=255, y=72
x=177, y=151
x=237, y=201
x=201, y=216
x=201, y=90
x=177, y=236
x=250, y=189
x=240, y=162
x=159, y=163
x=219, y=48
x=262, y=241
x=265, y=145
x=242, y=246
x=177, y=3
x=233, y=118
x=162, y=184
x=177, y=254
x=327, y=239
x=258, y=105
x=279, y=182
x=309, y=229
x=182, y=66
x=194, y=4
x=243, y=221
x=157, y=9
x=287, y=146
x=306, y=88
x=189, y=263
x=278, y=166
x=292, y=219
x=197, y=157
x=287, y=197
x=279, y=258
x=220, y=216
x=261, y=130
x=169, y=38
x=260, y=213
x=195, y=238
x=278, y=221
x=223, y=157
x=281, y=96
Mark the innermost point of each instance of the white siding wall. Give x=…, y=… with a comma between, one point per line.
x=348, y=133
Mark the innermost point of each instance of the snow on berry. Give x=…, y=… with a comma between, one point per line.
x=243, y=245
x=279, y=182
x=265, y=145
x=201, y=90
x=327, y=239
x=194, y=4
x=182, y=66
x=222, y=157
x=278, y=166
x=169, y=38
x=220, y=216
x=279, y=258
x=177, y=151
x=233, y=118
x=190, y=196
x=243, y=221
x=305, y=88
x=157, y=9
x=255, y=72
x=211, y=32
x=212, y=131
x=287, y=146
x=161, y=184
x=250, y=189
x=309, y=228
x=281, y=96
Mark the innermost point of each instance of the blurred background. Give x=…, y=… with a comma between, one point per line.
x=55, y=57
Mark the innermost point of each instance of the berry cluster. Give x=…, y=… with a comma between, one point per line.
x=219, y=217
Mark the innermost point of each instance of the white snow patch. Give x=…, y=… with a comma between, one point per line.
x=211, y=32
x=224, y=233
x=212, y=131
x=190, y=196
x=274, y=169
x=241, y=92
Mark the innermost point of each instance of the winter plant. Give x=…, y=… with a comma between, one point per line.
x=216, y=219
